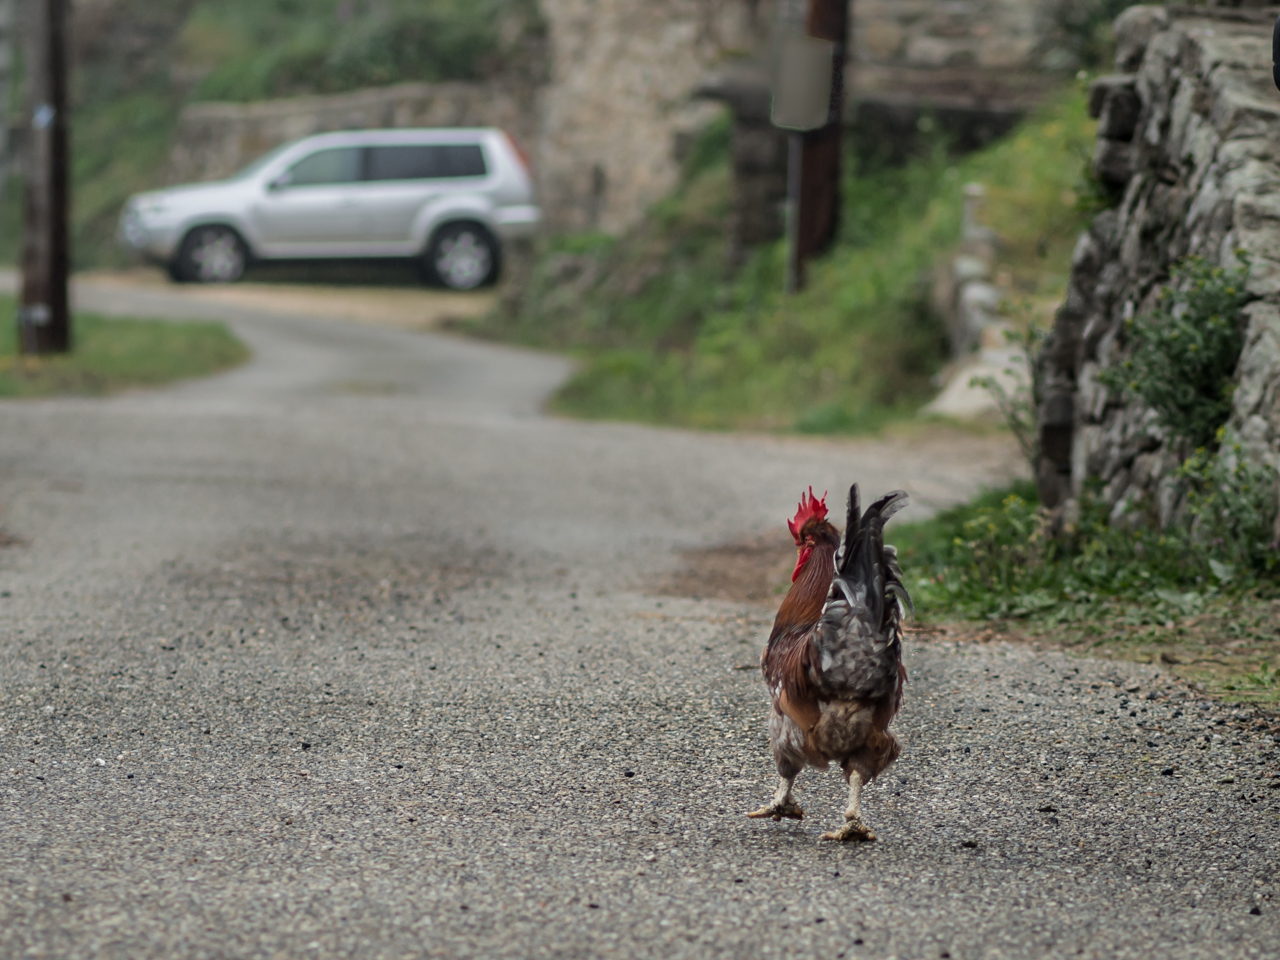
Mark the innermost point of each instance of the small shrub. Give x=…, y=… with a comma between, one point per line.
x=1184, y=353
x=1232, y=507
x=998, y=558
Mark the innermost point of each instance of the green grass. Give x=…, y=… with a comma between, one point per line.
x=272, y=48
x=1143, y=594
x=666, y=334
x=110, y=355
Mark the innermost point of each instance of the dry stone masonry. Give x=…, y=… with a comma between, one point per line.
x=1189, y=130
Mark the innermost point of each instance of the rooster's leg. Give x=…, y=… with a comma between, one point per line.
x=854, y=828
x=783, y=804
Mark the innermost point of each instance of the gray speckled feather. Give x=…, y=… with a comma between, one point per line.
x=857, y=643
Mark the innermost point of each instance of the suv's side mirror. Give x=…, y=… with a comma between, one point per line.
x=280, y=182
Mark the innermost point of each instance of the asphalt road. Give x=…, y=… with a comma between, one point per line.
x=351, y=652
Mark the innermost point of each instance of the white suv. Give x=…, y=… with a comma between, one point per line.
x=447, y=196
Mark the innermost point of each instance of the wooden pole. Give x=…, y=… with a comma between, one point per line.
x=819, y=207
x=6, y=81
x=43, y=321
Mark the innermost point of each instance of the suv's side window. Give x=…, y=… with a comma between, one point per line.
x=336, y=165
x=425, y=161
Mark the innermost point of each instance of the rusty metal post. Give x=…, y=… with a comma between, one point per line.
x=43, y=321
x=819, y=204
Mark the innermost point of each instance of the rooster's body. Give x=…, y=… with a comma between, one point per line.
x=834, y=659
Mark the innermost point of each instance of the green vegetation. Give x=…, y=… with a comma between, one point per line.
x=1177, y=597
x=252, y=51
x=666, y=334
x=1184, y=353
x=1207, y=583
x=111, y=355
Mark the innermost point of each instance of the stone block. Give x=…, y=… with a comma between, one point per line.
x=1133, y=31
x=1114, y=161
x=1119, y=115
x=880, y=38
x=930, y=51
x=1091, y=398
x=1101, y=89
x=1258, y=376
x=1240, y=109
x=1005, y=52
x=1084, y=448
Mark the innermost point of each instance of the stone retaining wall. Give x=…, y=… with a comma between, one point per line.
x=1189, y=130
x=214, y=140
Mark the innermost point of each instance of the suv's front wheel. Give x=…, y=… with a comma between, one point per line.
x=210, y=255
x=462, y=256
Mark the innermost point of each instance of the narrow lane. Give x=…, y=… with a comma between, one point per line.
x=349, y=652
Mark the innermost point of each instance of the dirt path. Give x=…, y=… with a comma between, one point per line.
x=403, y=307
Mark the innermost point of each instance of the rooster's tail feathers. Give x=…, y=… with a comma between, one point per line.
x=853, y=520
x=863, y=557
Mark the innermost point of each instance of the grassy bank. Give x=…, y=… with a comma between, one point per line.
x=116, y=354
x=996, y=567
x=666, y=334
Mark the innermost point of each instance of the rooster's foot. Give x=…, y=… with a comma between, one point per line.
x=853, y=830
x=777, y=810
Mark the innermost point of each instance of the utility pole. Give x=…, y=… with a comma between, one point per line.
x=43, y=322
x=814, y=38
x=6, y=85
x=819, y=215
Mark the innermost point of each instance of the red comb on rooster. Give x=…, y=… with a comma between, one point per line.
x=810, y=508
x=804, y=526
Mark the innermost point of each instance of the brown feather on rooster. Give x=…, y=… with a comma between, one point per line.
x=833, y=663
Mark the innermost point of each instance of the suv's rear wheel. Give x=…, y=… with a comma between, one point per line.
x=462, y=256
x=210, y=255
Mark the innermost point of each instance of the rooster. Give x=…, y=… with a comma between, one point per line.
x=833, y=663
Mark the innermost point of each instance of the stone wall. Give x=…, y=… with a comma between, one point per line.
x=1189, y=130
x=618, y=107
x=977, y=54
x=216, y=139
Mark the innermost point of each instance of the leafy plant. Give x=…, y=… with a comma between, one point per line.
x=1183, y=354
x=1000, y=557
x=1232, y=505
x=1267, y=678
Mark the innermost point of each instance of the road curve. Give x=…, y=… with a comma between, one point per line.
x=349, y=652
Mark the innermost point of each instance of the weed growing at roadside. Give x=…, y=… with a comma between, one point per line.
x=998, y=558
x=1184, y=353
x=1231, y=504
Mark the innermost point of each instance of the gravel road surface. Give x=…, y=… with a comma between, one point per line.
x=351, y=652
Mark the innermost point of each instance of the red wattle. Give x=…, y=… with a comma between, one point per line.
x=804, y=558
